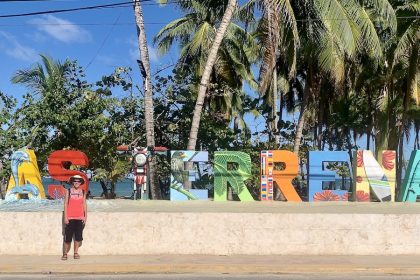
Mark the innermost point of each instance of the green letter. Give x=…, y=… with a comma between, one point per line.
x=411, y=188
x=233, y=168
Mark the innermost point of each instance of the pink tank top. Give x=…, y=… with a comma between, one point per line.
x=75, y=210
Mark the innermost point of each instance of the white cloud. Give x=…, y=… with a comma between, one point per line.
x=37, y=37
x=135, y=54
x=153, y=54
x=15, y=49
x=61, y=29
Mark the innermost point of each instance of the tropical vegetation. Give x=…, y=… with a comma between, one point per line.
x=322, y=75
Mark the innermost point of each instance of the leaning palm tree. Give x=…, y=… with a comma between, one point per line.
x=211, y=59
x=230, y=59
x=195, y=33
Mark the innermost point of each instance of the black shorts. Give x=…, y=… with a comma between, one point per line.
x=74, y=227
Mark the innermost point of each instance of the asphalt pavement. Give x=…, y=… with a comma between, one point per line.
x=211, y=277
x=390, y=266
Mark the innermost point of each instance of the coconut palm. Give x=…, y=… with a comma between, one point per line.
x=42, y=78
x=402, y=85
x=278, y=39
x=211, y=59
x=47, y=81
x=339, y=32
x=196, y=32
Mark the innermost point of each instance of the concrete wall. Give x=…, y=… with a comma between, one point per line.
x=129, y=233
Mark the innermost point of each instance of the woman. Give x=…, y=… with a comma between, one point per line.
x=75, y=214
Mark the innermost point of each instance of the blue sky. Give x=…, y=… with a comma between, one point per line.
x=78, y=35
x=101, y=39
x=91, y=37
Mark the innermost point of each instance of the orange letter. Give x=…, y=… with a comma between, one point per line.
x=283, y=178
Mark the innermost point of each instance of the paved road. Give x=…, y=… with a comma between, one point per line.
x=213, y=277
x=184, y=265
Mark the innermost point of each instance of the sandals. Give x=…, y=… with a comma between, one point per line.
x=76, y=256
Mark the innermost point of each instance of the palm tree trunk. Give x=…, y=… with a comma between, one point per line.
x=318, y=128
x=275, y=109
x=399, y=163
x=369, y=121
x=195, y=124
x=3, y=185
x=104, y=189
x=301, y=121
x=349, y=144
x=148, y=95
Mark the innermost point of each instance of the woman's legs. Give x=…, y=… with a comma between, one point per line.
x=76, y=246
x=66, y=247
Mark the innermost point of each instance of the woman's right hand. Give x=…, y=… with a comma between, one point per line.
x=66, y=221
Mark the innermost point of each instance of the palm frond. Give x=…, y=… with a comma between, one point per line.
x=385, y=11
x=407, y=40
x=410, y=6
x=174, y=31
x=201, y=39
x=335, y=18
x=330, y=57
x=368, y=39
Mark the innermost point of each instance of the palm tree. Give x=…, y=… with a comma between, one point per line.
x=43, y=78
x=144, y=64
x=47, y=80
x=211, y=59
x=278, y=36
x=196, y=32
x=403, y=81
x=332, y=33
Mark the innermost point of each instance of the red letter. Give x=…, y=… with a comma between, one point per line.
x=59, y=160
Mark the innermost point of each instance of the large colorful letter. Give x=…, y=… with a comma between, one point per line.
x=58, y=164
x=410, y=190
x=317, y=175
x=25, y=179
x=375, y=177
x=179, y=175
x=224, y=173
x=283, y=178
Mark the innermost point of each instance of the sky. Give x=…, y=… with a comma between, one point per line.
x=99, y=39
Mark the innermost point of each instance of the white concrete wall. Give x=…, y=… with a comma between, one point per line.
x=130, y=233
